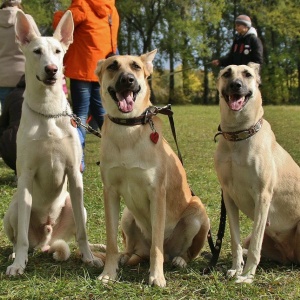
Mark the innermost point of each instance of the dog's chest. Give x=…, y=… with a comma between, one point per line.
x=48, y=145
x=136, y=186
x=45, y=129
x=238, y=176
x=129, y=149
x=131, y=170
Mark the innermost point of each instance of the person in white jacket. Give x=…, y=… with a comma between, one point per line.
x=12, y=60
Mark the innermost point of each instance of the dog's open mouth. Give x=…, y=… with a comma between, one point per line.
x=125, y=99
x=50, y=81
x=236, y=101
x=47, y=80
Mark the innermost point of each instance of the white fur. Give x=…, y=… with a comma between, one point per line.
x=48, y=153
x=60, y=250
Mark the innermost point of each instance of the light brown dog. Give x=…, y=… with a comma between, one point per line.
x=257, y=175
x=44, y=213
x=162, y=220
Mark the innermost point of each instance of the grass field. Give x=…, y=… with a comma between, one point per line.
x=195, y=126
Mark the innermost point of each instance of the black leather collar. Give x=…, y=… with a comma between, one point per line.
x=144, y=117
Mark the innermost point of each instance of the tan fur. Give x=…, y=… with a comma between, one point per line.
x=259, y=178
x=161, y=218
x=42, y=213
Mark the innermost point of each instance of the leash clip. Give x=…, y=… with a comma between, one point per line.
x=152, y=125
x=76, y=119
x=78, y=122
x=153, y=110
x=150, y=111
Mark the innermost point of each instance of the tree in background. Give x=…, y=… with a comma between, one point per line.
x=278, y=23
x=42, y=11
x=189, y=34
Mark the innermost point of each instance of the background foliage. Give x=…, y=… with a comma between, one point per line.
x=189, y=34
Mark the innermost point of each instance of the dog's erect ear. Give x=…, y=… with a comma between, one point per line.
x=147, y=59
x=99, y=68
x=221, y=72
x=256, y=68
x=24, y=29
x=64, y=30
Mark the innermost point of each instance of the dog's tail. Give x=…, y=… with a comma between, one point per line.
x=60, y=250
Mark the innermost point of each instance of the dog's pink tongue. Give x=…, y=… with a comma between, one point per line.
x=125, y=101
x=236, y=103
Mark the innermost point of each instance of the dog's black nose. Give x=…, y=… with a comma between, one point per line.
x=126, y=81
x=51, y=70
x=236, y=85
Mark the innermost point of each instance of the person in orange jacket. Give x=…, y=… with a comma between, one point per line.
x=96, y=25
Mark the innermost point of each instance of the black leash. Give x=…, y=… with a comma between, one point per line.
x=166, y=110
x=216, y=249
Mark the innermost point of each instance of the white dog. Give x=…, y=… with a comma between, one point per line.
x=42, y=212
x=257, y=175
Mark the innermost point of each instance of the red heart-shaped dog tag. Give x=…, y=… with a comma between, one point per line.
x=154, y=136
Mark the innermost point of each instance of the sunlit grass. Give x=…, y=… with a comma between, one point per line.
x=195, y=127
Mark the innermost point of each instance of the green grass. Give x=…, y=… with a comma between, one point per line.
x=195, y=127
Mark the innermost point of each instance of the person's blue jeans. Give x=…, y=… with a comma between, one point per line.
x=82, y=166
x=86, y=99
x=4, y=91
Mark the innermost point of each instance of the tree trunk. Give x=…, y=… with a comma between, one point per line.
x=172, y=79
x=206, y=87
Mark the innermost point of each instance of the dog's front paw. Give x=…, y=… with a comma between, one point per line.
x=107, y=278
x=157, y=280
x=231, y=273
x=15, y=269
x=178, y=261
x=234, y=272
x=245, y=278
x=236, y=269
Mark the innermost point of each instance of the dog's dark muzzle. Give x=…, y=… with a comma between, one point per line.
x=125, y=91
x=237, y=87
x=236, y=94
x=127, y=81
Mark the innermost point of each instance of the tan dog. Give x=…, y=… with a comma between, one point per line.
x=257, y=175
x=162, y=220
x=42, y=213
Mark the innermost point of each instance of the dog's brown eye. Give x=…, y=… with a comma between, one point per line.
x=247, y=74
x=37, y=51
x=227, y=74
x=114, y=66
x=135, y=66
x=57, y=51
